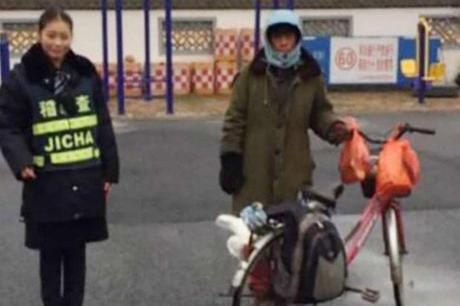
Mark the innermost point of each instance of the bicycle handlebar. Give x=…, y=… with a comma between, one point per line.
x=370, y=139
x=412, y=129
x=401, y=130
x=404, y=128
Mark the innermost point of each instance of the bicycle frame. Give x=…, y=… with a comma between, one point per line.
x=385, y=207
x=376, y=207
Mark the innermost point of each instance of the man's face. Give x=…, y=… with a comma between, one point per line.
x=283, y=39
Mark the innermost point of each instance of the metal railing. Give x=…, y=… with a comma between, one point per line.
x=5, y=55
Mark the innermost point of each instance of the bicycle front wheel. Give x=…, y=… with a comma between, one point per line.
x=255, y=287
x=395, y=256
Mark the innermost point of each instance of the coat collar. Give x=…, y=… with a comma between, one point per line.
x=38, y=66
x=307, y=70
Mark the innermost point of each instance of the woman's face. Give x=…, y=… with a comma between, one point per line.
x=55, y=39
x=283, y=41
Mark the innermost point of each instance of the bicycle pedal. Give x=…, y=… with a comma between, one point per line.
x=370, y=295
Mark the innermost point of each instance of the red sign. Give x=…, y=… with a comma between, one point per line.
x=346, y=58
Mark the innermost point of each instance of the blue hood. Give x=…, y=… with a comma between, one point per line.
x=282, y=59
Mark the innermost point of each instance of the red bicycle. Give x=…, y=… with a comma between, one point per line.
x=384, y=207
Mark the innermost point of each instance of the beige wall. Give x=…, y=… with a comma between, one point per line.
x=365, y=22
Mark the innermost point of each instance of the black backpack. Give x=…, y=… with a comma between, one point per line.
x=310, y=260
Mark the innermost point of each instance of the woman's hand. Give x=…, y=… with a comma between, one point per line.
x=28, y=174
x=107, y=187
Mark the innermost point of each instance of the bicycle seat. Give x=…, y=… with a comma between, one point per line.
x=328, y=200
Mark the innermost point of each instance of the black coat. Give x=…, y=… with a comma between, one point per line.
x=60, y=195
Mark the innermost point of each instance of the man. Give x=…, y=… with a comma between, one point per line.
x=265, y=148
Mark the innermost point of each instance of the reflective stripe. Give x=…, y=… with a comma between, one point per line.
x=50, y=127
x=74, y=156
x=39, y=161
x=64, y=125
x=83, y=122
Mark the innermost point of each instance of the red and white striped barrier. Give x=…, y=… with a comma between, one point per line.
x=112, y=77
x=181, y=79
x=133, y=80
x=247, y=45
x=226, y=45
x=132, y=77
x=224, y=75
x=203, y=78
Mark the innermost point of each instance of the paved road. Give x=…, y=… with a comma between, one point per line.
x=165, y=250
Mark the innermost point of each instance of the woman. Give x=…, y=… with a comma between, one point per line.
x=57, y=137
x=265, y=149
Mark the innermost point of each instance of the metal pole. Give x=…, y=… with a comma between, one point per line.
x=257, y=28
x=105, y=50
x=5, y=56
x=169, y=68
x=291, y=4
x=147, y=72
x=421, y=56
x=120, y=69
x=276, y=4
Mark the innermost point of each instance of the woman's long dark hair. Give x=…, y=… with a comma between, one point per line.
x=54, y=13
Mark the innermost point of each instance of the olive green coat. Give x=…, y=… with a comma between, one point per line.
x=270, y=130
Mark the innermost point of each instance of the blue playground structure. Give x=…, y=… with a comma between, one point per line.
x=148, y=95
x=5, y=55
x=147, y=78
x=417, y=61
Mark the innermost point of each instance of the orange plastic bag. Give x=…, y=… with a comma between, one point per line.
x=354, y=157
x=398, y=169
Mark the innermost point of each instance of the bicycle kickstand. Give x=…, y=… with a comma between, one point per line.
x=367, y=294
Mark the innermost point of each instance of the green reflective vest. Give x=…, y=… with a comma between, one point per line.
x=61, y=141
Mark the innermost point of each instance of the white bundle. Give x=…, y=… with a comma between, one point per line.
x=240, y=232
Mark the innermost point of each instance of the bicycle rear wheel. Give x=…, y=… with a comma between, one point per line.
x=395, y=256
x=243, y=292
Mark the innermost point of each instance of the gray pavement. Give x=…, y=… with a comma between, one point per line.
x=165, y=249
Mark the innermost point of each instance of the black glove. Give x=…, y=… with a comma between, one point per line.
x=338, y=133
x=231, y=172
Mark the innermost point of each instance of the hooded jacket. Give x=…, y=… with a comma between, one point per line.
x=283, y=59
x=65, y=194
x=269, y=129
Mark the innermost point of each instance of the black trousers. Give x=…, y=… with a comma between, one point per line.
x=62, y=274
